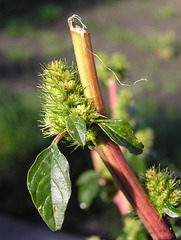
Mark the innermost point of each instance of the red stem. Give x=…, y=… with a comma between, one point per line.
x=128, y=183
x=112, y=92
x=59, y=137
x=120, y=200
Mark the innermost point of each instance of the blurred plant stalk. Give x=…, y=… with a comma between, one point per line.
x=119, y=198
x=109, y=151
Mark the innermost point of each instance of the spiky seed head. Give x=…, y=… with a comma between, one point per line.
x=62, y=95
x=162, y=188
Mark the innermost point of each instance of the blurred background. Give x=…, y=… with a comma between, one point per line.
x=34, y=32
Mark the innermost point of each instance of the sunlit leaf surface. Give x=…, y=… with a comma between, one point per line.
x=49, y=185
x=76, y=127
x=122, y=134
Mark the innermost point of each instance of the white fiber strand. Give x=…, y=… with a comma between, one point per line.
x=75, y=16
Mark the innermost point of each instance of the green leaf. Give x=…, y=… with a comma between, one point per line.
x=88, y=183
x=121, y=133
x=171, y=211
x=49, y=185
x=76, y=127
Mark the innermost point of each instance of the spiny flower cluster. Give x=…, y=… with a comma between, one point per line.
x=62, y=96
x=162, y=188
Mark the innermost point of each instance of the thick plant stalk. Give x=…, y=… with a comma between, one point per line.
x=128, y=183
x=86, y=64
x=109, y=151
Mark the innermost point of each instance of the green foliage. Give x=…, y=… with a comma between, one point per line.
x=76, y=127
x=177, y=230
x=122, y=134
x=31, y=12
x=139, y=163
x=18, y=52
x=126, y=109
x=164, y=44
x=88, y=183
x=125, y=105
x=167, y=45
x=146, y=135
x=93, y=238
x=167, y=12
x=49, y=185
x=24, y=46
x=128, y=36
x=171, y=211
x=163, y=190
x=48, y=12
x=133, y=229
x=49, y=41
x=18, y=127
x=17, y=28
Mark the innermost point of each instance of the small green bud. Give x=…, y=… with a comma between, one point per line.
x=162, y=188
x=125, y=104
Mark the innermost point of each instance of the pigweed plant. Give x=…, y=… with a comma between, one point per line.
x=162, y=188
x=73, y=108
